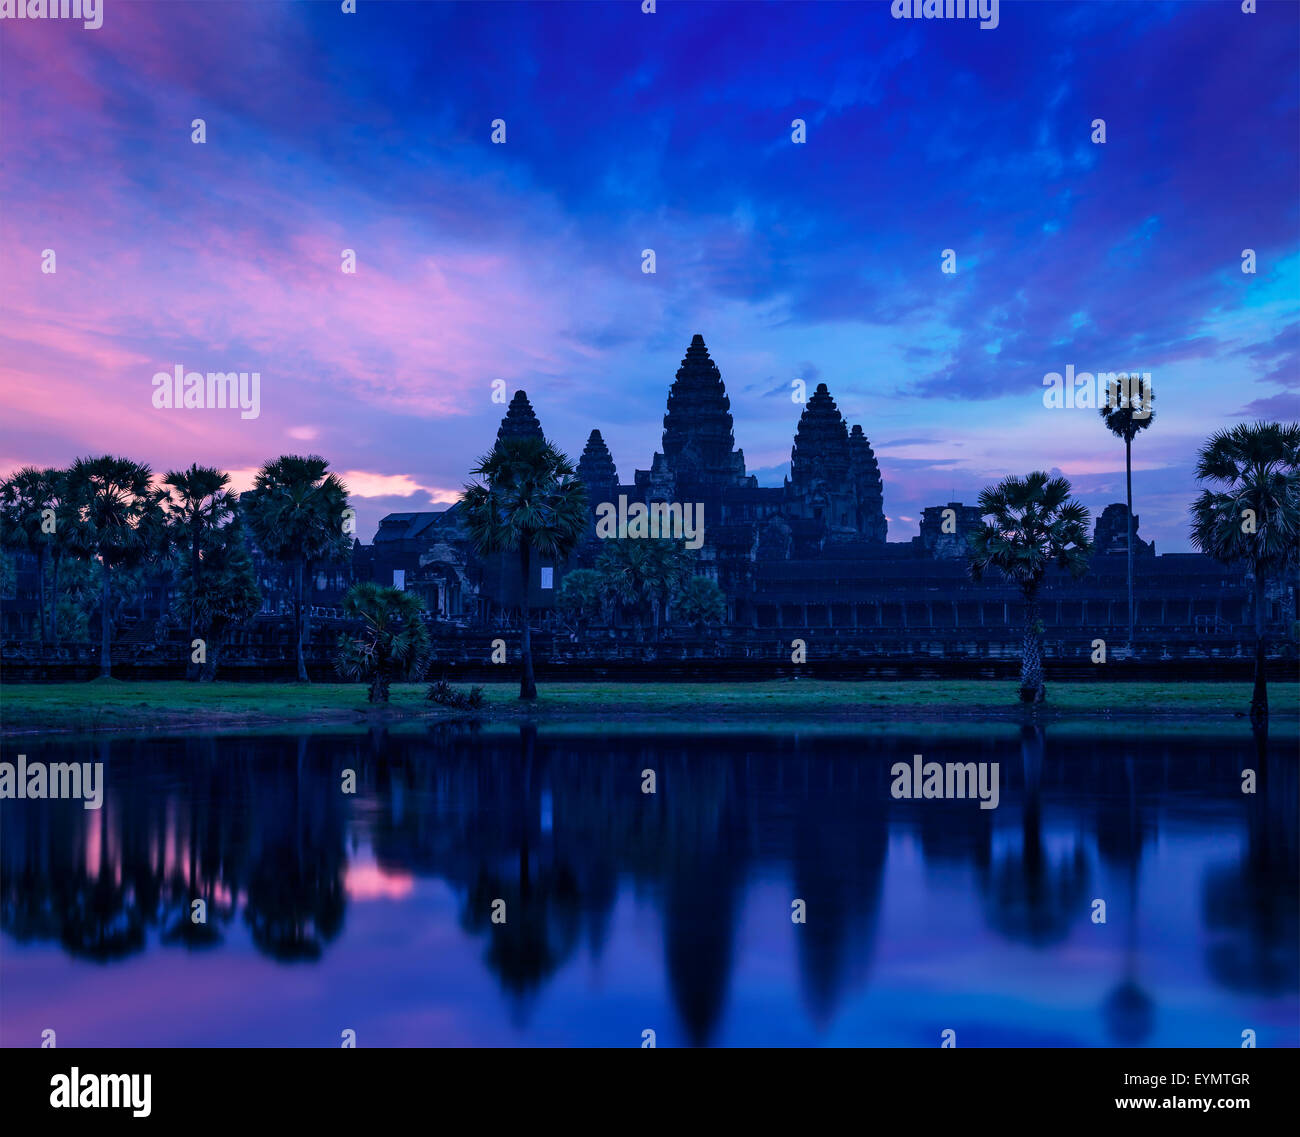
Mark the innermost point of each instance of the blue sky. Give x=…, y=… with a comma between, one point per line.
x=671, y=131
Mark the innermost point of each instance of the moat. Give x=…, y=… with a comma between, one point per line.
x=371, y=911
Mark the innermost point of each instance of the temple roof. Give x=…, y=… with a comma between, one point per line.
x=596, y=466
x=821, y=442
x=519, y=420
x=698, y=441
x=862, y=459
x=412, y=526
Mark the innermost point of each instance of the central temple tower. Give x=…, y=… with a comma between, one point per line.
x=699, y=446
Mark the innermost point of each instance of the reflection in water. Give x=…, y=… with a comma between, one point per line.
x=1030, y=896
x=1249, y=904
x=911, y=904
x=1121, y=828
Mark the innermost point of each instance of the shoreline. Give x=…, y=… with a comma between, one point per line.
x=100, y=707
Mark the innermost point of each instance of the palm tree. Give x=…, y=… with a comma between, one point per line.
x=61, y=540
x=28, y=523
x=199, y=506
x=530, y=501
x=225, y=596
x=669, y=566
x=1130, y=408
x=625, y=571
x=393, y=642
x=296, y=511
x=582, y=597
x=1251, y=516
x=116, y=517
x=1035, y=522
x=702, y=603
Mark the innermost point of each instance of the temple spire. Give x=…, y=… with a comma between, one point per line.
x=821, y=442
x=698, y=443
x=864, y=471
x=596, y=466
x=519, y=420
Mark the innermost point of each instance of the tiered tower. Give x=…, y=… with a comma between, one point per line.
x=864, y=471
x=596, y=469
x=519, y=420
x=597, y=472
x=1109, y=536
x=699, y=447
x=819, y=487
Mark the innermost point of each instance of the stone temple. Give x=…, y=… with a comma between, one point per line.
x=832, y=496
x=810, y=557
x=811, y=553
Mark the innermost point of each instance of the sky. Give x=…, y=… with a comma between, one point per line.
x=521, y=261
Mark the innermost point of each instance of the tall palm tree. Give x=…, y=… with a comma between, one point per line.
x=530, y=500
x=393, y=641
x=225, y=596
x=1251, y=515
x=645, y=574
x=25, y=524
x=582, y=597
x=1129, y=409
x=1034, y=523
x=117, y=520
x=669, y=566
x=702, y=603
x=61, y=540
x=625, y=571
x=295, y=510
x=199, y=506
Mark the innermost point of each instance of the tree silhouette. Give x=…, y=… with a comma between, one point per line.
x=199, y=506
x=1252, y=516
x=296, y=510
x=117, y=519
x=529, y=501
x=1129, y=409
x=1034, y=523
x=393, y=642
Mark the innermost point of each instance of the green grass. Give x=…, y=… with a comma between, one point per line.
x=114, y=705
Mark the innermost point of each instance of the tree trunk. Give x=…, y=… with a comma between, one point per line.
x=1259, y=697
x=1031, y=658
x=379, y=684
x=194, y=671
x=54, y=604
x=309, y=587
x=208, y=670
x=1128, y=477
x=297, y=622
x=105, y=657
x=40, y=593
x=527, y=685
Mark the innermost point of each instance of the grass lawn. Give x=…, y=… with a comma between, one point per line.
x=116, y=705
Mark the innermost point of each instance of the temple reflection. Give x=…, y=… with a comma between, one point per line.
x=555, y=825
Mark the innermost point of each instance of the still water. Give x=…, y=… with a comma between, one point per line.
x=372, y=911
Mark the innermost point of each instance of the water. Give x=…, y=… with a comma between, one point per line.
x=670, y=912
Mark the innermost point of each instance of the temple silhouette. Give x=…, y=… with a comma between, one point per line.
x=813, y=553
x=809, y=558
